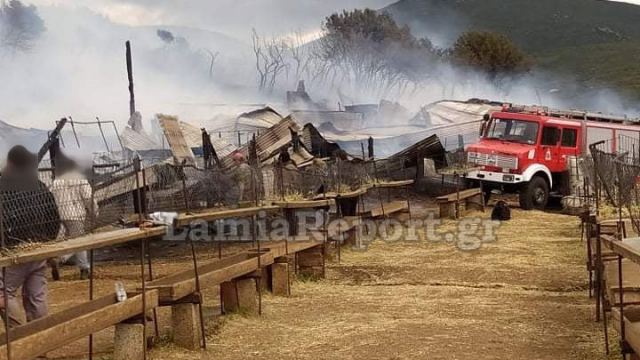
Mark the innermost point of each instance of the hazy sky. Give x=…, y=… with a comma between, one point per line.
x=234, y=17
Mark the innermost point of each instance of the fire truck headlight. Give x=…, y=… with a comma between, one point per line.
x=508, y=178
x=531, y=154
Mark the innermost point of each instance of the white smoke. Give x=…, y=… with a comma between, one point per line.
x=78, y=67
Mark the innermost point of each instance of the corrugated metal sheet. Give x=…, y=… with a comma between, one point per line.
x=300, y=156
x=270, y=141
x=447, y=119
x=451, y=112
x=341, y=120
x=136, y=141
x=258, y=119
x=175, y=137
x=431, y=148
x=193, y=136
x=316, y=143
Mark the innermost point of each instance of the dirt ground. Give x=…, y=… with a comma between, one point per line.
x=523, y=296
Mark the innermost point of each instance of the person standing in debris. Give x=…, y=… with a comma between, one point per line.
x=29, y=214
x=75, y=201
x=242, y=176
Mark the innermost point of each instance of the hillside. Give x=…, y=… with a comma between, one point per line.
x=595, y=41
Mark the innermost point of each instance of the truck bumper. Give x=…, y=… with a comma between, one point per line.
x=496, y=177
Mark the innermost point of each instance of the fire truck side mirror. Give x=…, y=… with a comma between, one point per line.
x=483, y=125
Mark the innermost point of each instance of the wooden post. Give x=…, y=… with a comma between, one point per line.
x=310, y=261
x=128, y=342
x=239, y=295
x=132, y=100
x=280, y=278
x=185, y=325
x=370, y=147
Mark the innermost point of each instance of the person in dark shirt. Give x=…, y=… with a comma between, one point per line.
x=29, y=214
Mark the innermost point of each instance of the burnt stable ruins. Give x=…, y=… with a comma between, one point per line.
x=139, y=195
x=272, y=176
x=294, y=190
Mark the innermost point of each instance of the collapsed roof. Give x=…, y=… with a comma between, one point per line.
x=269, y=142
x=456, y=123
x=193, y=137
x=137, y=141
x=430, y=147
x=257, y=119
x=452, y=112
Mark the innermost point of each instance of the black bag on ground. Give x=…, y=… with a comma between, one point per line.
x=501, y=211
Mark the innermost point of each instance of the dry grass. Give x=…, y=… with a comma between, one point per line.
x=522, y=297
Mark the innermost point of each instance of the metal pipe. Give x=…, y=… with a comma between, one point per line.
x=106, y=144
x=408, y=195
x=375, y=174
x=198, y=290
x=5, y=296
x=598, y=283
x=155, y=311
x=91, y=261
x=621, y=294
x=144, y=300
x=256, y=240
x=137, y=169
x=73, y=129
x=7, y=331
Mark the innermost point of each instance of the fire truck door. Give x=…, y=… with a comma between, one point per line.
x=550, y=149
x=569, y=145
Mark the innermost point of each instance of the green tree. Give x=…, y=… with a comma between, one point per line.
x=492, y=53
x=371, y=49
x=368, y=24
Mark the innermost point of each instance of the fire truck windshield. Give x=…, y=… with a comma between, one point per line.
x=519, y=131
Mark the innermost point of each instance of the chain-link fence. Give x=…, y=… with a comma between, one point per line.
x=57, y=205
x=616, y=165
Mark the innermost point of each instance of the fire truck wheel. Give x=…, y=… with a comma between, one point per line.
x=535, y=194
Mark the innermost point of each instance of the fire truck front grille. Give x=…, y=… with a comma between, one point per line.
x=501, y=161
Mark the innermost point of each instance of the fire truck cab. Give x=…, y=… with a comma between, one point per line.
x=527, y=150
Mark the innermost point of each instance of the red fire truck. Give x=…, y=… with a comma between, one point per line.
x=526, y=150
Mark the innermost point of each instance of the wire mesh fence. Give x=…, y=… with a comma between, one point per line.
x=616, y=165
x=29, y=210
x=56, y=205
x=186, y=188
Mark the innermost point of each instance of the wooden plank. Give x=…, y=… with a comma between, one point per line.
x=392, y=184
x=304, y=204
x=279, y=249
x=52, y=332
x=631, y=325
x=346, y=195
x=218, y=214
x=612, y=222
x=352, y=223
x=627, y=248
x=630, y=278
x=175, y=137
x=182, y=284
x=607, y=241
x=464, y=194
x=87, y=242
x=389, y=209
